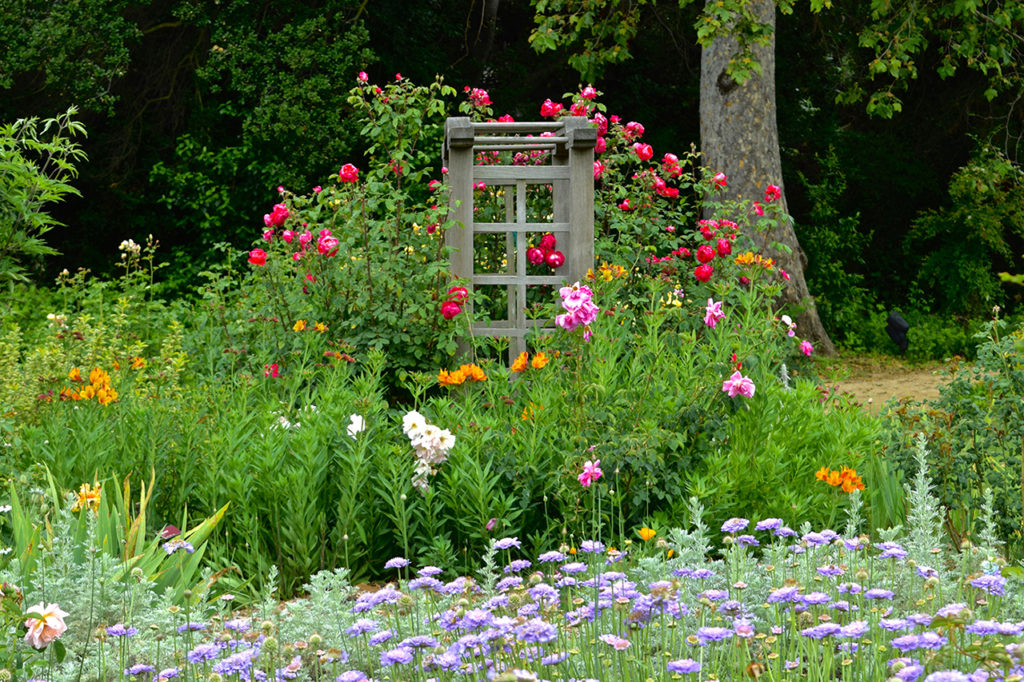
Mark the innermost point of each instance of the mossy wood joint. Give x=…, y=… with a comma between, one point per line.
x=570, y=173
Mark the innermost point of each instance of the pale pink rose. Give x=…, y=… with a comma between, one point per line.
x=45, y=624
x=363, y=77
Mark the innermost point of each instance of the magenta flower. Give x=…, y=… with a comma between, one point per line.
x=713, y=313
x=738, y=384
x=806, y=348
x=348, y=173
x=591, y=472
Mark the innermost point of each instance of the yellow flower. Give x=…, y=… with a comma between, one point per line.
x=646, y=533
x=88, y=497
x=745, y=258
x=539, y=360
x=138, y=363
x=75, y=374
x=320, y=327
x=821, y=474
x=520, y=364
x=300, y=325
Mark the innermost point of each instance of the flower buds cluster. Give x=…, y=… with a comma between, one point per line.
x=430, y=444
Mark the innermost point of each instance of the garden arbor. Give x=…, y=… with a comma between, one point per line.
x=565, y=164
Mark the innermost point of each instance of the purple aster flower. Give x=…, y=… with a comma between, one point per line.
x=351, y=676
x=734, y=525
x=139, y=669
x=684, y=666
x=549, y=557
x=397, y=562
x=592, y=546
x=768, y=524
x=507, y=543
x=399, y=654
x=119, y=630
x=878, y=593
x=992, y=583
x=747, y=541
x=947, y=676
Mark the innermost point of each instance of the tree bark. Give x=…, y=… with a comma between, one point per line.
x=740, y=138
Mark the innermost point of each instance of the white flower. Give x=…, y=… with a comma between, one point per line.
x=413, y=422
x=5, y=508
x=357, y=425
x=446, y=441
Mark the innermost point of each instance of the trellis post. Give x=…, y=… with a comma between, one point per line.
x=570, y=142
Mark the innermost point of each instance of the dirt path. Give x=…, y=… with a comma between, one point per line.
x=874, y=380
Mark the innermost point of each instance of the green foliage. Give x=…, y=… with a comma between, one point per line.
x=37, y=163
x=975, y=431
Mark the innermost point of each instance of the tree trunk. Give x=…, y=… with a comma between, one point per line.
x=740, y=138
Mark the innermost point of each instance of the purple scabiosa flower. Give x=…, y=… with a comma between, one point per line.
x=983, y=627
x=508, y=583
x=706, y=635
x=1014, y=629
x=399, y=654
x=842, y=605
x=554, y=659
x=542, y=593
x=528, y=610
x=177, y=544
x=906, y=642
x=830, y=570
x=238, y=625
x=536, y=631
x=419, y=642
x=592, y=546
x=237, y=663
x=426, y=583
x=768, y=524
x=168, y=673
x=878, y=593
x=909, y=673
x=747, y=541
x=684, y=666
x=931, y=640
x=852, y=544
x=702, y=573
x=783, y=594
x=428, y=571
x=920, y=619
x=848, y=647
x=813, y=539
x=947, y=676
x=734, y=525
x=202, y=652
x=853, y=630
x=797, y=549
x=573, y=567
x=139, y=669
x=992, y=583
x=290, y=671
x=894, y=624
x=743, y=628
x=850, y=588
x=893, y=553
x=829, y=534
x=119, y=630
x=815, y=598
x=551, y=557
x=351, y=676
x=507, y=543
x=361, y=627
x=616, y=642
x=191, y=626
x=381, y=637
x=791, y=665
x=714, y=595
x=954, y=609
x=821, y=631
x=784, y=532
x=397, y=562
x=518, y=565
x=926, y=572
x=731, y=607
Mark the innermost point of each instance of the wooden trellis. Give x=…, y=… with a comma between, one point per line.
x=569, y=171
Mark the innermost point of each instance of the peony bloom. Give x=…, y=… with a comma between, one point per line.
x=713, y=313
x=591, y=472
x=705, y=254
x=738, y=384
x=258, y=257
x=806, y=348
x=772, y=193
x=45, y=624
x=356, y=425
x=348, y=173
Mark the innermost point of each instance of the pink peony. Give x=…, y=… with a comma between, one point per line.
x=348, y=173
x=705, y=254
x=738, y=384
x=45, y=624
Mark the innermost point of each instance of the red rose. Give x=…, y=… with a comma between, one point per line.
x=555, y=259
x=724, y=247
x=348, y=173
x=458, y=294
x=450, y=309
x=258, y=257
x=703, y=272
x=535, y=255
x=705, y=254
x=547, y=242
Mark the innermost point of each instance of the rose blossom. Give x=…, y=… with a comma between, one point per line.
x=348, y=173
x=48, y=626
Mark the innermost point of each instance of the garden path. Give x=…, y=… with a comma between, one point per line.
x=874, y=380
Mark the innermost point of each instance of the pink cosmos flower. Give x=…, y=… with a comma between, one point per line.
x=713, y=313
x=45, y=624
x=591, y=472
x=772, y=193
x=738, y=384
x=806, y=348
x=348, y=173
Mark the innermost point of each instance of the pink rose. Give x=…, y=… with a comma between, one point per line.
x=548, y=242
x=624, y=206
x=724, y=248
x=772, y=193
x=600, y=145
x=288, y=236
x=362, y=76
x=588, y=93
x=602, y=123
x=535, y=255
x=45, y=624
x=634, y=130
x=506, y=118
x=644, y=152
x=705, y=254
x=720, y=179
x=703, y=272
x=555, y=259
x=258, y=257
x=578, y=109
x=348, y=173
x=450, y=309
x=458, y=294
x=550, y=109
x=758, y=208
x=327, y=245
x=268, y=235
x=598, y=170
